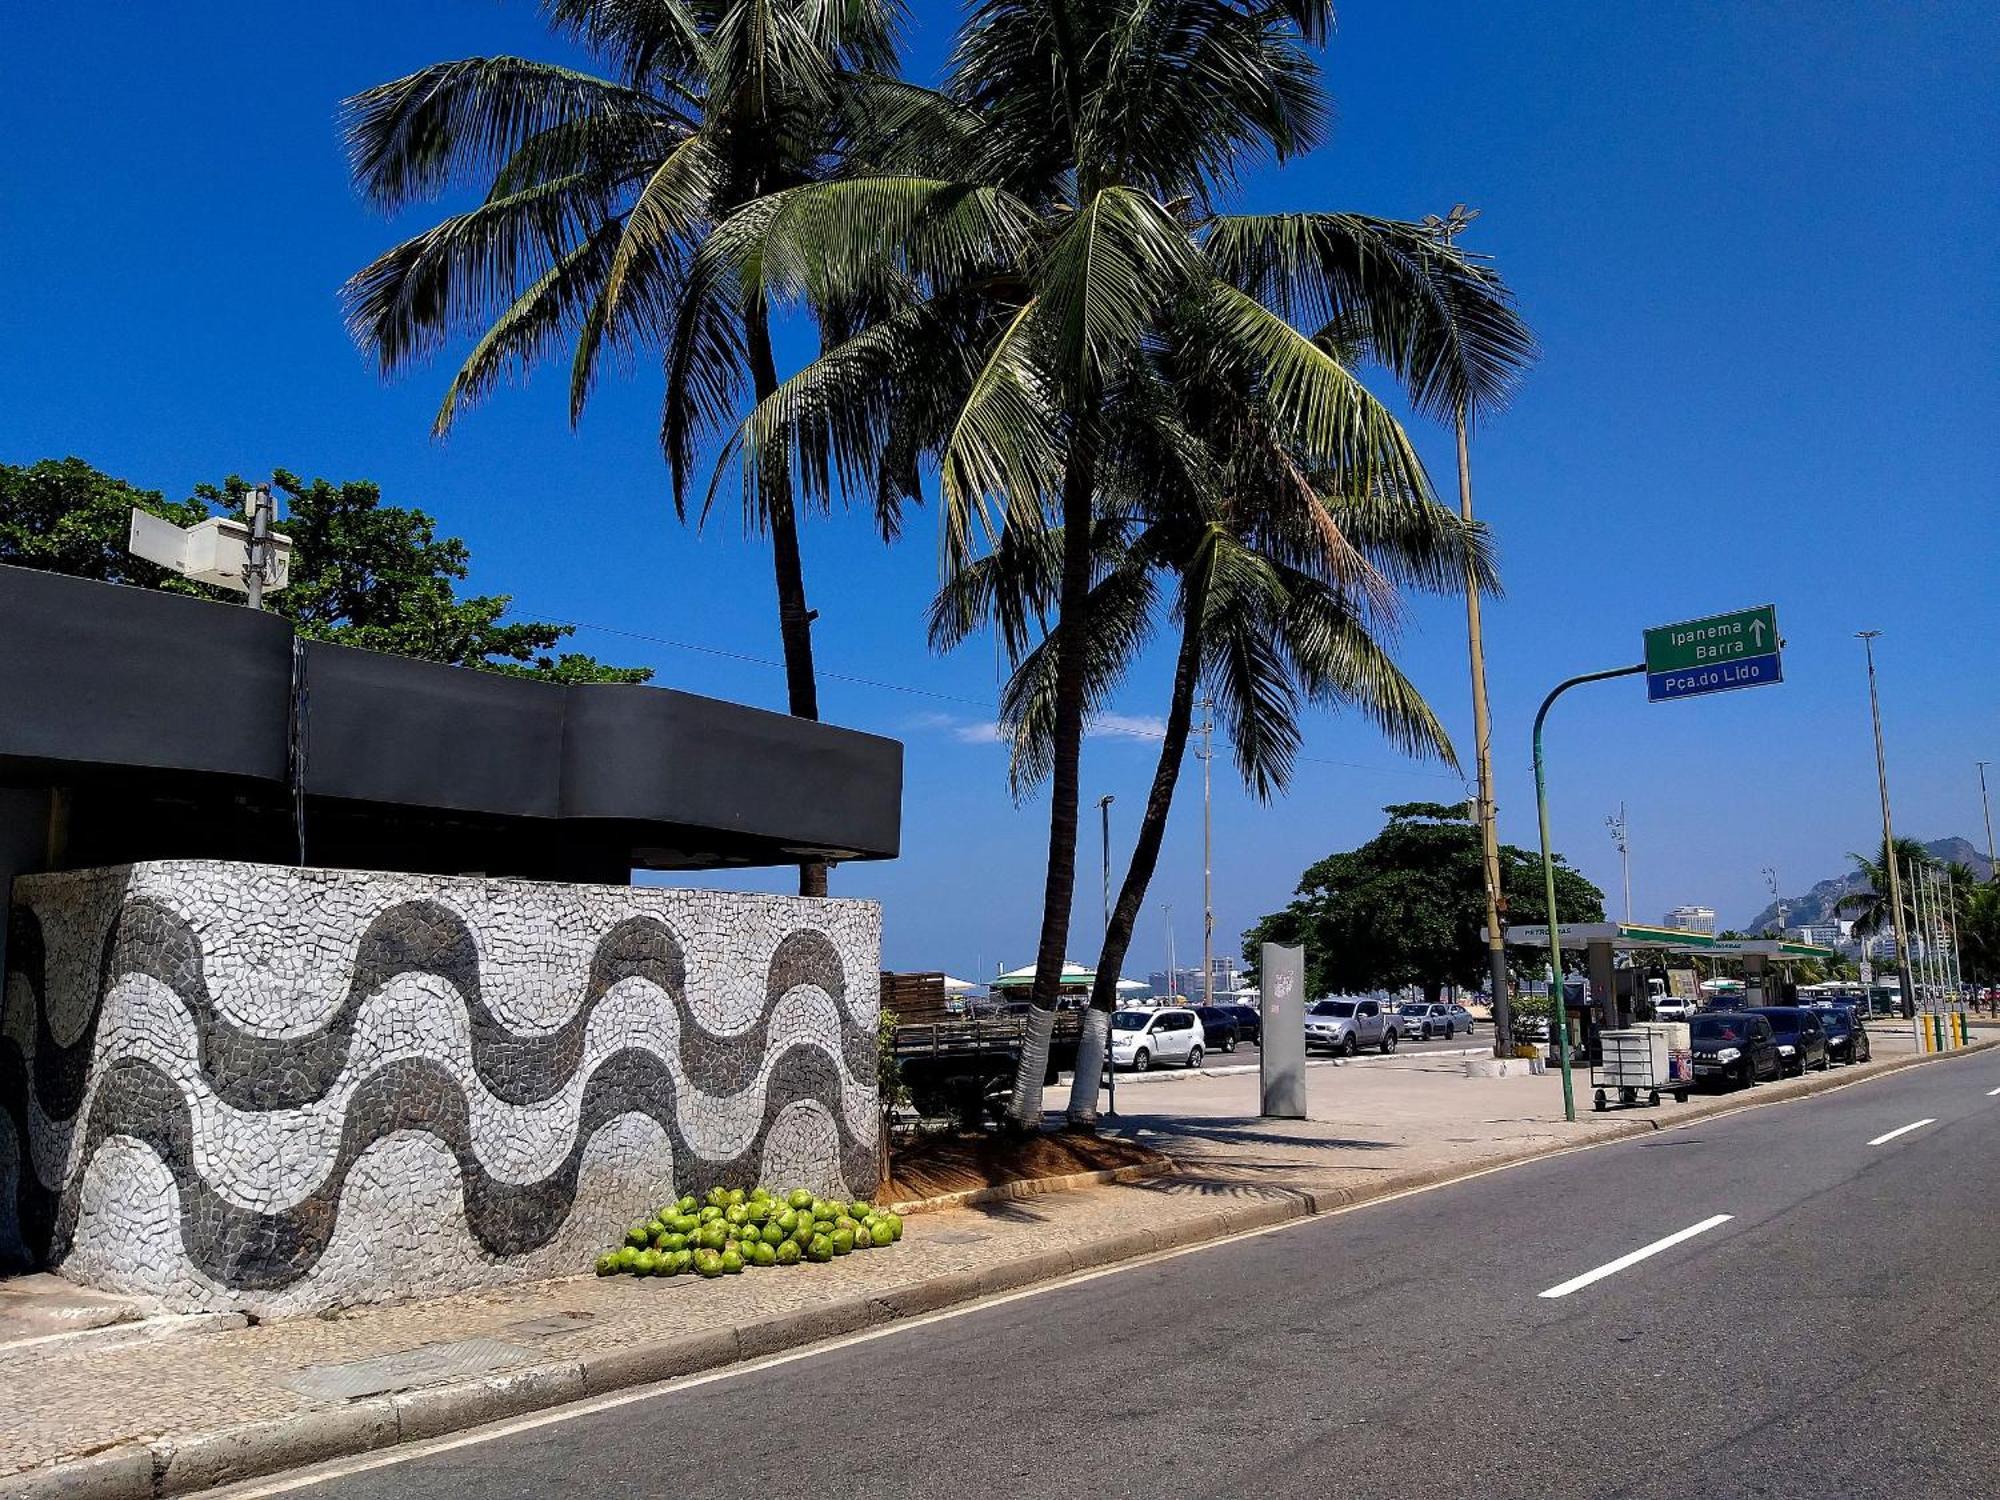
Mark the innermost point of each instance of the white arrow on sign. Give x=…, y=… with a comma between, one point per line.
x=1757, y=631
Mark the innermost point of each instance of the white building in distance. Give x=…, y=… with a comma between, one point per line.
x=1692, y=918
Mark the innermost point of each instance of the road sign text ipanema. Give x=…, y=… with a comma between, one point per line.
x=1712, y=655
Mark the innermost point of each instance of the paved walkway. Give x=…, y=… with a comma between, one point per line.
x=170, y=1408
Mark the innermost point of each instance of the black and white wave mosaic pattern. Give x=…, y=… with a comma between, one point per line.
x=246, y=1086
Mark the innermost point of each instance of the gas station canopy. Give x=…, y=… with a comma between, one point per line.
x=1621, y=937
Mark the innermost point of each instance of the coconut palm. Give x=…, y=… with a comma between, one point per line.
x=1870, y=907
x=597, y=190
x=1284, y=589
x=1019, y=242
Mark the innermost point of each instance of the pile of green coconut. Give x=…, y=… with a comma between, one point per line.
x=728, y=1229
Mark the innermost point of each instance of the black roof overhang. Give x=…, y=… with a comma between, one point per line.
x=100, y=681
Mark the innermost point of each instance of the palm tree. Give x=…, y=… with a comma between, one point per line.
x=1284, y=588
x=597, y=193
x=1870, y=907
x=1021, y=242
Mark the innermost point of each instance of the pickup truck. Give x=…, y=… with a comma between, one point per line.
x=1349, y=1025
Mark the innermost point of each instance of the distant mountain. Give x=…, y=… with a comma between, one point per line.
x=1817, y=904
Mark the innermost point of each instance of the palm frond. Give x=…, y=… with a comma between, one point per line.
x=535, y=326
x=458, y=122
x=1444, y=322
x=1327, y=414
x=1005, y=444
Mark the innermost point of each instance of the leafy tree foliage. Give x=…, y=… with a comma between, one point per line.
x=363, y=573
x=63, y=516
x=1406, y=908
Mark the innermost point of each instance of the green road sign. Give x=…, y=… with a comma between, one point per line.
x=1715, y=641
x=1697, y=657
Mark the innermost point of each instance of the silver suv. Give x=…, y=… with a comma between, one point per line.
x=1349, y=1025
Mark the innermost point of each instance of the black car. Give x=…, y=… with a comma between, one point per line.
x=1734, y=1047
x=1846, y=1034
x=1249, y=1023
x=1801, y=1037
x=1219, y=1026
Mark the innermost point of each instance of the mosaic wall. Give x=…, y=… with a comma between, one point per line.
x=247, y=1086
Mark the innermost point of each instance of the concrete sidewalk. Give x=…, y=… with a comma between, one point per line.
x=137, y=1410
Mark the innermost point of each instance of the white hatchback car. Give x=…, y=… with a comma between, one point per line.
x=1141, y=1038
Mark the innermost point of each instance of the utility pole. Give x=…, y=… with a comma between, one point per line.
x=1618, y=840
x=258, y=508
x=1207, y=754
x=1986, y=805
x=1903, y=977
x=1104, y=813
x=1447, y=230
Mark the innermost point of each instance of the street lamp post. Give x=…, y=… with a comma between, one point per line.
x=1207, y=754
x=1104, y=814
x=1903, y=977
x=1986, y=806
x=1447, y=229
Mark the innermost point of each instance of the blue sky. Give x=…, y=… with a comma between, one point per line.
x=1757, y=242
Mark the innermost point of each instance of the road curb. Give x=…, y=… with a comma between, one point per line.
x=1032, y=1187
x=145, y=1471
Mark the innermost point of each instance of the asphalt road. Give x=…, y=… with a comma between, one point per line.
x=1837, y=1335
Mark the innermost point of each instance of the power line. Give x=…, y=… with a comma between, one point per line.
x=987, y=705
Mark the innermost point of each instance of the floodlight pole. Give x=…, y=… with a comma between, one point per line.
x=1986, y=805
x=1903, y=974
x=1207, y=754
x=1104, y=813
x=1558, y=1008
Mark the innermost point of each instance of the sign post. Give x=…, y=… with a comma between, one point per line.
x=1689, y=660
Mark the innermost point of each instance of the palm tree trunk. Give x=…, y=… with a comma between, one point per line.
x=1024, y=1111
x=1082, y=1113
x=794, y=619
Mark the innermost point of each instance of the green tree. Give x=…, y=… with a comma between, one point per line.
x=63, y=516
x=363, y=573
x=1406, y=908
x=1029, y=238
x=596, y=191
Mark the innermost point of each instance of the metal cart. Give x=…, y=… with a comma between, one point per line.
x=1639, y=1062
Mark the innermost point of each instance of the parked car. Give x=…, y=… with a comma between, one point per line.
x=1219, y=1026
x=1349, y=1025
x=1426, y=1021
x=1672, y=1008
x=1801, y=1037
x=1846, y=1034
x=1734, y=1047
x=1140, y=1038
x=1249, y=1023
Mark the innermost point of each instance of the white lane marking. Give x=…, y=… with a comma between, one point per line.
x=1901, y=1130
x=1613, y=1267
x=1991, y=1092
